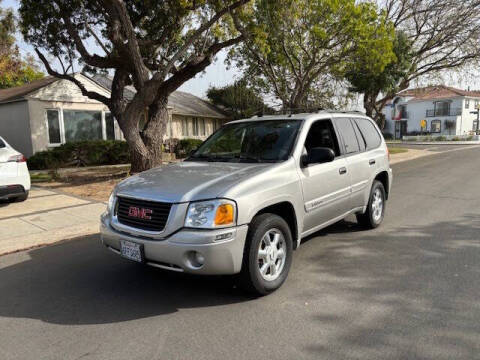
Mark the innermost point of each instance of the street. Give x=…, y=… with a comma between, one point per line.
x=407, y=290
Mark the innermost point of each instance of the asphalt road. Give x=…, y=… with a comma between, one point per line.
x=408, y=290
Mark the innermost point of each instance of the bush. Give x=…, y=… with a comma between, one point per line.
x=440, y=138
x=81, y=153
x=388, y=136
x=185, y=146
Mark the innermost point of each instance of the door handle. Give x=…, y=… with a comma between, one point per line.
x=371, y=161
x=342, y=170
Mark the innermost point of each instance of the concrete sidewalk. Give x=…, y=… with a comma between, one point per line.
x=45, y=218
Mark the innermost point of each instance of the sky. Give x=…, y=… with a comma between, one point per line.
x=216, y=74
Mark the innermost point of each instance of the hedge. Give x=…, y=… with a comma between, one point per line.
x=185, y=146
x=81, y=153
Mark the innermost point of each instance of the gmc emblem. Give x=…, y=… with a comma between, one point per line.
x=140, y=213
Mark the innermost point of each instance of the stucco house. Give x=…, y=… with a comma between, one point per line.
x=50, y=112
x=438, y=110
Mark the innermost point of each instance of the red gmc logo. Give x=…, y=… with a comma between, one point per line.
x=140, y=213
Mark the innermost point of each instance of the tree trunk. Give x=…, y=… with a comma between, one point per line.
x=146, y=146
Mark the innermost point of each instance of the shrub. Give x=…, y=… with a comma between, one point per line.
x=440, y=138
x=456, y=139
x=81, y=153
x=185, y=146
x=388, y=136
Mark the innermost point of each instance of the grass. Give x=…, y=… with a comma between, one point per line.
x=42, y=177
x=397, y=150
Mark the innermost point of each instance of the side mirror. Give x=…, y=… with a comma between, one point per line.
x=318, y=155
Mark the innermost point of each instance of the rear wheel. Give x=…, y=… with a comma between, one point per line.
x=373, y=217
x=268, y=254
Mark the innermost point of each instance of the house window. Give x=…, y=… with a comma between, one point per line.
x=436, y=126
x=82, y=125
x=109, y=126
x=202, y=127
x=185, y=127
x=476, y=104
x=195, y=126
x=475, y=125
x=467, y=103
x=442, y=108
x=53, y=121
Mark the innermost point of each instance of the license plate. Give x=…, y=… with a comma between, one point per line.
x=131, y=250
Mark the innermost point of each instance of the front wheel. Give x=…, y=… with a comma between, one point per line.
x=373, y=217
x=268, y=254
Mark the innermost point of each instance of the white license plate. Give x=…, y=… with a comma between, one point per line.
x=131, y=250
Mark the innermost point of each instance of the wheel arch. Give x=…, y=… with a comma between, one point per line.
x=286, y=211
x=383, y=178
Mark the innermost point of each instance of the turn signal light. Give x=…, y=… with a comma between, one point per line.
x=224, y=215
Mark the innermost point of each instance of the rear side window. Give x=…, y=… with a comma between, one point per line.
x=370, y=133
x=347, y=133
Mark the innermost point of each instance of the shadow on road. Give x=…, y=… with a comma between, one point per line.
x=81, y=282
x=411, y=292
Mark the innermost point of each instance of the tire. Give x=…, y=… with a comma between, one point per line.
x=266, y=228
x=21, y=197
x=372, y=217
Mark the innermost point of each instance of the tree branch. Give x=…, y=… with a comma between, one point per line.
x=90, y=94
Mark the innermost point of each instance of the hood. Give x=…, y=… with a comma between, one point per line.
x=187, y=181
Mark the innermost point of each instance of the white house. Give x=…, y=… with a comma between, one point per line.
x=50, y=112
x=437, y=110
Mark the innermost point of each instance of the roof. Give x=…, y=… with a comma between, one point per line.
x=19, y=92
x=182, y=103
x=437, y=92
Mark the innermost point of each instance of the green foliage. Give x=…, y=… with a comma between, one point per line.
x=441, y=138
x=81, y=153
x=14, y=71
x=185, y=146
x=296, y=49
x=388, y=136
x=370, y=81
x=238, y=99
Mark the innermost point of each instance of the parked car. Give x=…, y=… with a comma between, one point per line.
x=14, y=175
x=244, y=200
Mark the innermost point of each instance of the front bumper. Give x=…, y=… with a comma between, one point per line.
x=222, y=257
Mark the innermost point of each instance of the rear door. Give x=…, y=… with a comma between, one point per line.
x=357, y=161
x=326, y=187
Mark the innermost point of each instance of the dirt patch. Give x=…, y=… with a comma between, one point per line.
x=92, y=184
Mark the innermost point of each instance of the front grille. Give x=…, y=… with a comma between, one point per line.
x=158, y=215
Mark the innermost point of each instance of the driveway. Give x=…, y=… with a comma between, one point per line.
x=407, y=290
x=46, y=217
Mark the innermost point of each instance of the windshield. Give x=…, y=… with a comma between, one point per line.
x=255, y=141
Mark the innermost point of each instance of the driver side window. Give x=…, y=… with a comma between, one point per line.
x=322, y=134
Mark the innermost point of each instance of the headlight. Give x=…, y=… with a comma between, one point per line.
x=211, y=214
x=111, y=202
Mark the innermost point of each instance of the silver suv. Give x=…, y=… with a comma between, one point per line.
x=244, y=200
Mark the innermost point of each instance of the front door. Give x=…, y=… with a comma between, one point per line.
x=326, y=187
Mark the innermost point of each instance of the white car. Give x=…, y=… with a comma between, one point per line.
x=14, y=175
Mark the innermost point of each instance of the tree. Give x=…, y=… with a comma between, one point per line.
x=444, y=35
x=14, y=71
x=156, y=46
x=296, y=50
x=371, y=83
x=238, y=99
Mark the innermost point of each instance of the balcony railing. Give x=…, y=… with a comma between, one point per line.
x=444, y=112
